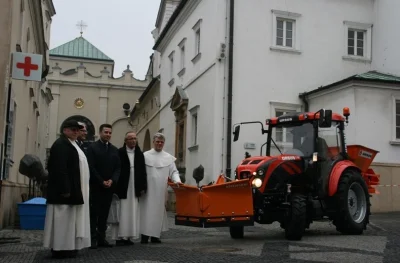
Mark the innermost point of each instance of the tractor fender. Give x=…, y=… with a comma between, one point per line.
x=337, y=172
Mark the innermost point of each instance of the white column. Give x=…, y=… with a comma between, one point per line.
x=53, y=127
x=103, y=103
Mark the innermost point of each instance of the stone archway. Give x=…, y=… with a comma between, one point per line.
x=89, y=126
x=147, y=141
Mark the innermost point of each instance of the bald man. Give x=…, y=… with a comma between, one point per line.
x=130, y=187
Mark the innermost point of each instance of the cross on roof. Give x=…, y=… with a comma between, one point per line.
x=81, y=25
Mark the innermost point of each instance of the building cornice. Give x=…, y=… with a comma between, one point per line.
x=177, y=20
x=355, y=84
x=95, y=85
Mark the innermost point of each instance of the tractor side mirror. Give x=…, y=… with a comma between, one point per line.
x=236, y=133
x=325, y=118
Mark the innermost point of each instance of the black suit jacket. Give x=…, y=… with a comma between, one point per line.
x=104, y=163
x=64, y=174
x=140, y=173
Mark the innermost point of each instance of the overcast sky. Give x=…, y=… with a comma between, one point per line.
x=121, y=29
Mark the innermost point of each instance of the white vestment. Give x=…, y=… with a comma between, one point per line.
x=129, y=218
x=67, y=227
x=153, y=215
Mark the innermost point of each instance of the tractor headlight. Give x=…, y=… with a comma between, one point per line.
x=257, y=182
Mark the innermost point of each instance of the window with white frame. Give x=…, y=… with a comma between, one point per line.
x=197, y=41
x=171, y=68
x=358, y=41
x=182, y=57
x=182, y=49
x=283, y=135
x=194, y=131
x=285, y=31
x=397, y=121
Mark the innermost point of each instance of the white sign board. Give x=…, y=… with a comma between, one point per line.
x=27, y=66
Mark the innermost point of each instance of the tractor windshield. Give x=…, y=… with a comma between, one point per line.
x=293, y=139
x=298, y=139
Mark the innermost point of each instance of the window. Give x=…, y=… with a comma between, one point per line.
x=182, y=49
x=283, y=135
x=397, y=119
x=195, y=132
x=285, y=28
x=182, y=57
x=284, y=33
x=171, y=69
x=197, y=41
x=171, y=65
x=358, y=41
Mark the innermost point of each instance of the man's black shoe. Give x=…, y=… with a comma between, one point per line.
x=124, y=242
x=145, y=239
x=155, y=240
x=93, y=244
x=104, y=243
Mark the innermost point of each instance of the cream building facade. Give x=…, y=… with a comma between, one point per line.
x=83, y=88
x=24, y=105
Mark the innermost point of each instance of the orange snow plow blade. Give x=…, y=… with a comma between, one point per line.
x=362, y=157
x=220, y=204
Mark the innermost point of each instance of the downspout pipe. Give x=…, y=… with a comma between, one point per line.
x=303, y=97
x=230, y=88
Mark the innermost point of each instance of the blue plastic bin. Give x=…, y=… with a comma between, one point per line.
x=32, y=214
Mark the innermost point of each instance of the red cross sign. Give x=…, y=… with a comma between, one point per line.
x=27, y=66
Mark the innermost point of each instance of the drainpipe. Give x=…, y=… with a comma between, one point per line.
x=303, y=97
x=230, y=87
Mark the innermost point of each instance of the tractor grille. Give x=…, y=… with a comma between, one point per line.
x=245, y=175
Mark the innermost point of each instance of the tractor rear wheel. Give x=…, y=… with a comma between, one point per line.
x=236, y=232
x=296, y=218
x=353, y=204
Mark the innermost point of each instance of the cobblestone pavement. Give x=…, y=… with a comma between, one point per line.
x=262, y=243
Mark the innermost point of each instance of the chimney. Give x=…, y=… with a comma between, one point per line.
x=104, y=74
x=56, y=71
x=81, y=71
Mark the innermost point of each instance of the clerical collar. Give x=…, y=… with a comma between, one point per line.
x=129, y=149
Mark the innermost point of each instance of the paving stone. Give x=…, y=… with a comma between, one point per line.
x=322, y=243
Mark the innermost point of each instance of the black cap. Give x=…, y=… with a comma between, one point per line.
x=72, y=124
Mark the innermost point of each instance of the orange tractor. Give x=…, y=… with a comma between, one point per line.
x=313, y=176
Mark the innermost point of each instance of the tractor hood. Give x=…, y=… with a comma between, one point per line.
x=274, y=171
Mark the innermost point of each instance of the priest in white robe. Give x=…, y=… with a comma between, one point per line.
x=67, y=223
x=160, y=166
x=131, y=185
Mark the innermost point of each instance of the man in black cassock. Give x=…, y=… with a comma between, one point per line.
x=105, y=167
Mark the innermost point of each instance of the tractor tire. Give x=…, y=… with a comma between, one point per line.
x=296, y=218
x=236, y=232
x=352, y=203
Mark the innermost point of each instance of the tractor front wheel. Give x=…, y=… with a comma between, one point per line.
x=353, y=204
x=236, y=232
x=296, y=218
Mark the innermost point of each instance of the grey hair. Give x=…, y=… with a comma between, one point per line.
x=159, y=135
x=82, y=123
